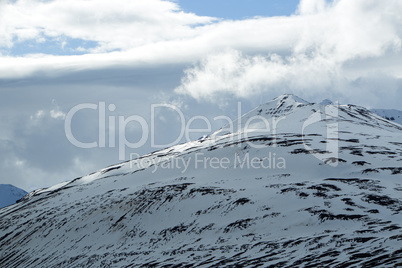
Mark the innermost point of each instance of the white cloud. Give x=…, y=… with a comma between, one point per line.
x=55, y=114
x=38, y=115
x=118, y=24
x=234, y=73
x=334, y=37
x=307, y=7
x=346, y=30
x=166, y=42
x=157, y=32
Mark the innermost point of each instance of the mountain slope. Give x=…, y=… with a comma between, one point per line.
x=389, y=114
x=10, y=194
x=320, y=186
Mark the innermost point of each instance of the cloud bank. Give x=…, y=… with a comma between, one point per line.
x=126, y=33
x=324, y=47
x=117, y=25
x=334, y=41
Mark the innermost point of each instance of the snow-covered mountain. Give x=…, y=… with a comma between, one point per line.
x=290, y=184
x=390, y=114
x=9, y=194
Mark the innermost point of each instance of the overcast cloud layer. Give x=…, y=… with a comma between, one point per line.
x=58, y=54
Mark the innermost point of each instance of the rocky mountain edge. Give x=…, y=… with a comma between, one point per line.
x=324, y=190
x=389, y=114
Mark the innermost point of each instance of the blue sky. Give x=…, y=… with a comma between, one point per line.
x=57, y=54
x=240, y=9
x=52, y=46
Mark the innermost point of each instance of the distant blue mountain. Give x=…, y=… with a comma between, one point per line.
x=9, y=194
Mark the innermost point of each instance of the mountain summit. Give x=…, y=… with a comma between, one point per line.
x=289, y=184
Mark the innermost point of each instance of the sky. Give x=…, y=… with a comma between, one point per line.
x=121, y=60
x=240, y=9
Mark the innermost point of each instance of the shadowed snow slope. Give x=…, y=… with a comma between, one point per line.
x=390, y=114
x=289, y=184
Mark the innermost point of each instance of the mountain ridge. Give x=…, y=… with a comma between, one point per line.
x=389, y=114
x=335, y=201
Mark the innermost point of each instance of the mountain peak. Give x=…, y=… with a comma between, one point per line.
x=289, y=113
x=289, y=98
x=326, y=102
x=283, y=104
x=278, y=107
